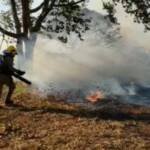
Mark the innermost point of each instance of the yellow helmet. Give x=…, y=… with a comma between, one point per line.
x=11, y=49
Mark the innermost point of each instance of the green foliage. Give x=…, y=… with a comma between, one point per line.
x=109, y=7
x=6, y=21
x=65, y=16
x=140, y=9
x=68, y=18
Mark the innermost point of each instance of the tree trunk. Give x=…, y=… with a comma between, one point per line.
x=20, y=51
x=25, y=48
x=26, y=17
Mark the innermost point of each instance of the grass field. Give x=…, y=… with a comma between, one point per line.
x=38, y=123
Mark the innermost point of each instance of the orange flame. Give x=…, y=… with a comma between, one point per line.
x=95, y=96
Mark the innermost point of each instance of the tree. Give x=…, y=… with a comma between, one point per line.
x=20, y=20
x=140, y=9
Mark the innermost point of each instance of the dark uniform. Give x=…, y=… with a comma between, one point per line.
x=6, y=71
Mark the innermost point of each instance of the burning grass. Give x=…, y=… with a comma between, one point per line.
x=96, y=96
x=44, y=123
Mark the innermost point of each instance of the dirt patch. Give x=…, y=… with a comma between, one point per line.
x=44, y=123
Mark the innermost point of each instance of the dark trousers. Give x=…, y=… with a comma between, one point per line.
x=8, y=81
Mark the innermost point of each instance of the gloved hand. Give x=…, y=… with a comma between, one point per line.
x=20, y=72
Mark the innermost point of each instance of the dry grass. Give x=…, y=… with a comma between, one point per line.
x=37, y=123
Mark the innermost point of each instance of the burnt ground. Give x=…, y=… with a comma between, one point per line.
x=36, y=123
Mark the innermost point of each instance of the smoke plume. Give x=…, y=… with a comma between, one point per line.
x=102, y=61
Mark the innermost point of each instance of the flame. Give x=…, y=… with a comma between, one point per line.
x=95, y=96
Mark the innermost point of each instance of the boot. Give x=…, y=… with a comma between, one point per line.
x=8, y=101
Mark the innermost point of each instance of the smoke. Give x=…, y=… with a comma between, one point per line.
x=116, y=68
x=87, y=64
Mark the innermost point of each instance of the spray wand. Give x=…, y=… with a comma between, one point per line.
x=22, y=79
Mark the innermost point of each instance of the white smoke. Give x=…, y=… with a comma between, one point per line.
x=87, y=63
x=90, y=64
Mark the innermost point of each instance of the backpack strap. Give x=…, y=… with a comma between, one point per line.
x=1, y=59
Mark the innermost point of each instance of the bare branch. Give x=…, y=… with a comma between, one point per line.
x=75, y=3
x=15, y=16
x=37, y=8
x=46, y=9
x=43, y=15
x=14, y=35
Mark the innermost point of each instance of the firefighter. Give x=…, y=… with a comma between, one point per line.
x=6, y=71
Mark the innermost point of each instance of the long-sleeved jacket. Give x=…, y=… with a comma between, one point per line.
x=8, y=65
